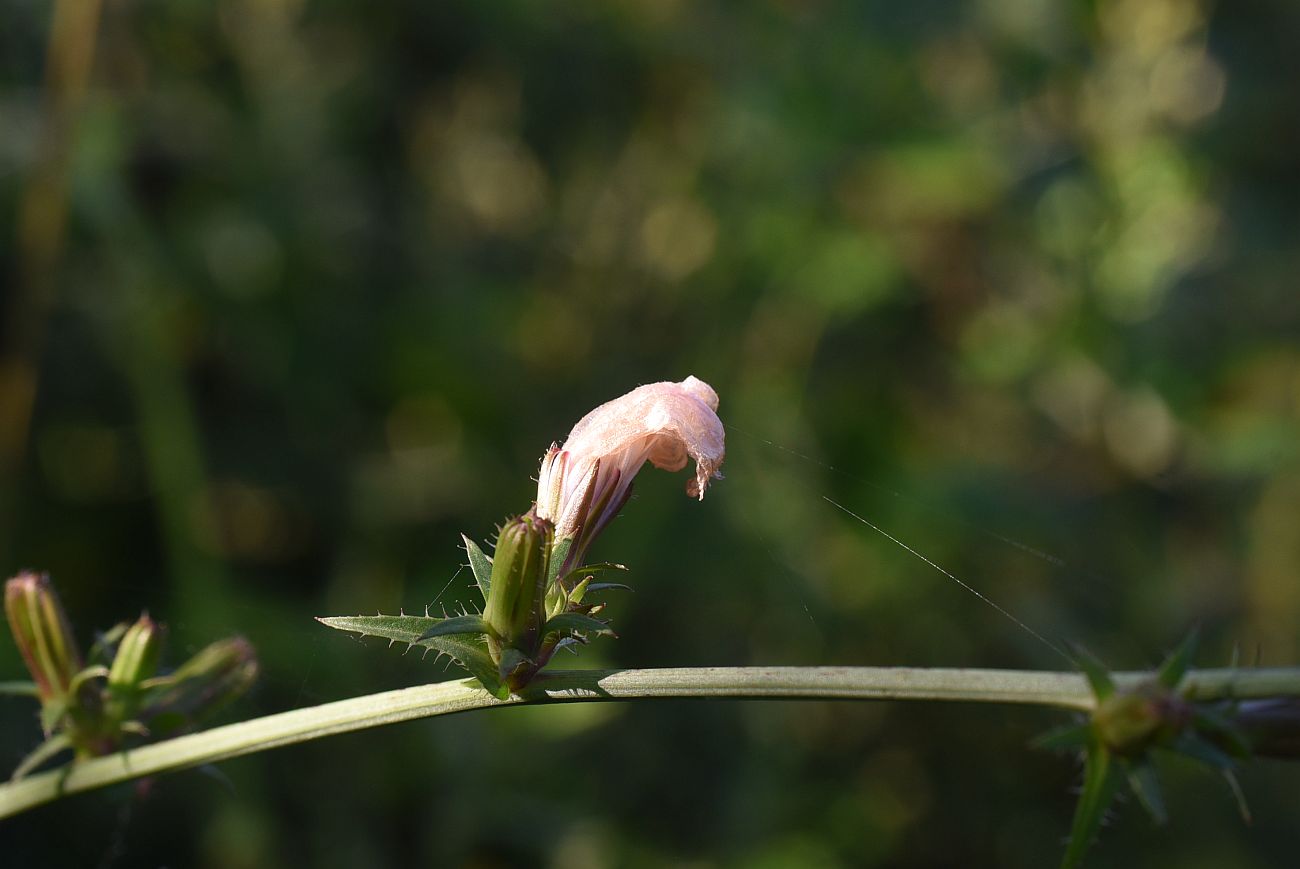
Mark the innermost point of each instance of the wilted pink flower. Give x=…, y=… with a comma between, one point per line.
x=583, y=485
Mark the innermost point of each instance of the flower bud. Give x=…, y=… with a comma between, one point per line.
x=1271, y=727
x=514, y=610
x=137, y=655
x=1129, y=722
x=212, y=678
x=42, y=634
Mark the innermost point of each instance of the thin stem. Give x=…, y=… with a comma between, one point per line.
x=1062, y=690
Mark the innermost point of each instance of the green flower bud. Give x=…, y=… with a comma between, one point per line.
x=42, y=634
x=137, y=655
x=514, y=611
x=136, y=660
x=212, y=678
x=1129, y=722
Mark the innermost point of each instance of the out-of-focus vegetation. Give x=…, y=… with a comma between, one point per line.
x=294, y=292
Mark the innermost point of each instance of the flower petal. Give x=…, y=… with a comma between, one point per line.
x=666, y=423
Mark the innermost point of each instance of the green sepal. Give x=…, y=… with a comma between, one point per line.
x=98, y=671
x=41, y=753
x=1064, y=738
x=559, y=552
x=1145, y=783
x=1175, y=666
x=1095, y=672
x=453, y=626
x=480, y=563
x=1101, y=780
x=574, y=597
x=470, y=653
x=577, y=622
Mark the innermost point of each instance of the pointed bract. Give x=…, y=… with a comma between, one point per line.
x=480, y=564
x=1100, y=782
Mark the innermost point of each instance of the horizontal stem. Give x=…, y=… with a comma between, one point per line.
x=1062, y=690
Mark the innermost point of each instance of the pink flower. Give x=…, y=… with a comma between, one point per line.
x=583, y=485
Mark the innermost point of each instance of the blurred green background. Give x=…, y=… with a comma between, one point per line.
x=295, y=292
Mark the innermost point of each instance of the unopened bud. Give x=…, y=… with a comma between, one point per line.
x=137, y=655
x=1271, y=727
x=1129, y=722
x=212, y=678
x=42, y=634
x=514, y=611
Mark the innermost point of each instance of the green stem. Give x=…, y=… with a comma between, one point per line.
x=1062, y=690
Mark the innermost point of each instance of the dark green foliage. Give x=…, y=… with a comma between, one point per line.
x=332, y=276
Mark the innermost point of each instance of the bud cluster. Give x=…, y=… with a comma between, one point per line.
x=119, y=693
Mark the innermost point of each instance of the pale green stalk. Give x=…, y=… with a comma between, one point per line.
x=1062, y=690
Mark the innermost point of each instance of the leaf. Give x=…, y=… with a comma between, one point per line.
x=40, y=754
x=608, y=586
x=577, y=622
x=452, y=627
x=1100, y=783
x=469, y=653
x=1146, y=786
x=481, y=564
x=592, y=569
x=1225, y=733
x=19, y=689
x=1096, y=673
x=1064, y=738
x=1175, y=666
x=1197, y=748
